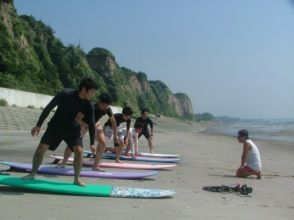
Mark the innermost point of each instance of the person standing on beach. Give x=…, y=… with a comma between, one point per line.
x=101, y=108
x=250, y=160
x=125, y=116
x=64, y=126
x=145, y=120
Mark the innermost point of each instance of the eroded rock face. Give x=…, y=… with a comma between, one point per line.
x=182, y=104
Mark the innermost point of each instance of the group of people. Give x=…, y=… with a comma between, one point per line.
x=75, y=116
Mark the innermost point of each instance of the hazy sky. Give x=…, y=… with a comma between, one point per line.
x=231, y=57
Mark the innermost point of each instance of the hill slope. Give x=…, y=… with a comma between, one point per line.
x=33, y=59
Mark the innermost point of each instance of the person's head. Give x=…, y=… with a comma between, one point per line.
x=242, y=135
x=138, y=127
x=87, y=89
x=144, y=113
x=104, y=101
x=127, y=112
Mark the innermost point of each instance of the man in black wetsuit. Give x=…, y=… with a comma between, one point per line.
x=125, y=116
x=64, y=126
x=145, y=120
x=101, y=108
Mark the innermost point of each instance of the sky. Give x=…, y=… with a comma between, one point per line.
x=231, y=57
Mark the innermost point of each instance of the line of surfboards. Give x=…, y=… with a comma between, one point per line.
x=96, y=190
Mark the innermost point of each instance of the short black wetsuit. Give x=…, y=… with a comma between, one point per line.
x=119, y=118
x=145, y=123
x=63, y=125
x=98, y=113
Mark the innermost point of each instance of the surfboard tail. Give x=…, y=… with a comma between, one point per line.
x=128, y=192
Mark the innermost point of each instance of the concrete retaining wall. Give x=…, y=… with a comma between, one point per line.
x=25, y=99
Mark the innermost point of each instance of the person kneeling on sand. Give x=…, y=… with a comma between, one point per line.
x=250, y=160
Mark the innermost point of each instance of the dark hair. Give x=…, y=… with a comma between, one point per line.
x=88, y=84
x=144, y=110
x=138, y=125
x=243, y=133
x=105, y=98
x=127, y=111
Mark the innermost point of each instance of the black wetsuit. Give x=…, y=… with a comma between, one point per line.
x=145, y=123
x=119, y=118
x=98, y=113
x=63, y=125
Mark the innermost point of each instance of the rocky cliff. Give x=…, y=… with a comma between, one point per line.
x=33, y=59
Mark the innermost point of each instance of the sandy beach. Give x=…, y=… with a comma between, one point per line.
x=206, y=160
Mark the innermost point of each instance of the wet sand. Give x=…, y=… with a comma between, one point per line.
x=206, y=160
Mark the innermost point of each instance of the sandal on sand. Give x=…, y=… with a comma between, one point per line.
x=243, y=190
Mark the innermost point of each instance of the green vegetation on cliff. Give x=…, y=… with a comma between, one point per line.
x=33, y=59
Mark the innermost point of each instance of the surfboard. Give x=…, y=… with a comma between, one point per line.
x=137, y=158
x=59, y=187
x=142, y=158
x=139, y=166
x=158, y=155
x=145, y=154
x=85, y=173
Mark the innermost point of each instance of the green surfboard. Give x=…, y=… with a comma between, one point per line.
x=88, y=190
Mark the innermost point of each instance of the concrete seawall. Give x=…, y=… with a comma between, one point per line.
x=24, y=99
x=29, y=99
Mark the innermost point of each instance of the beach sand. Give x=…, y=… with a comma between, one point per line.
x=206, y=160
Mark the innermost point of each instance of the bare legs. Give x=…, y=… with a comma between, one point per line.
x=37, y=160
x=100, y=148
x=78, y=161
x=150, y=144
x=244, y=172
x=66, y=155
x=119, y=150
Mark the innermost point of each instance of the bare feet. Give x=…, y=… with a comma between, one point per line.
x=79, y=183
x=97, y=169
x=118, y=161
x=93, y=149
x=30, y=176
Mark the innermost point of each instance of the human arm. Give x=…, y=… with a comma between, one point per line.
x=114, y=128
x=91, y=124
x=150, y=122
x=51, y=105
x=134, y=139
x=127, y=137
x=246, y=147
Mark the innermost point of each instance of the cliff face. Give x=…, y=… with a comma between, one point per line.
x=33, y=59
x=136, y=88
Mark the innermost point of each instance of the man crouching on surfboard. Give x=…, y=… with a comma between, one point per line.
x=63, y=125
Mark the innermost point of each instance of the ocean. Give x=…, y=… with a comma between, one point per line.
x=276, y=129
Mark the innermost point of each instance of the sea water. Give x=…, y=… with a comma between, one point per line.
x=275, y=129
